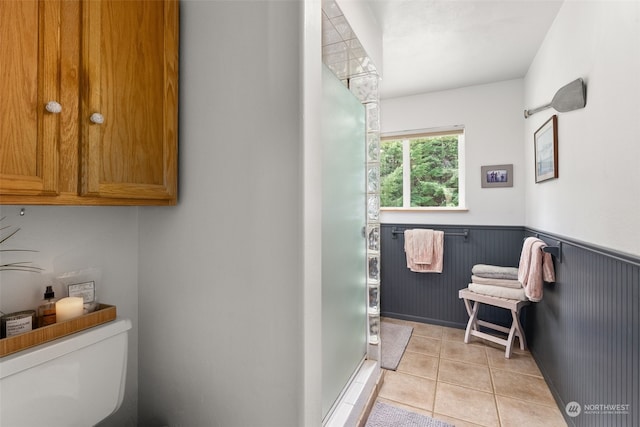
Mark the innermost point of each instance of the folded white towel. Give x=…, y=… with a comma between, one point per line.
x=506, y=283
x=495, y=271
x=498, y=291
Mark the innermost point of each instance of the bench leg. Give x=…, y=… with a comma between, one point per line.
x=519, y=331
x=515, y=331
x=473, y=317
x=469, y=308
x=472, y=305
x=509, y=347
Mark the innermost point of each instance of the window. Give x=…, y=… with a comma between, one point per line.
x=422, y=169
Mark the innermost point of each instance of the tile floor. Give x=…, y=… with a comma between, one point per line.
x=468, y=384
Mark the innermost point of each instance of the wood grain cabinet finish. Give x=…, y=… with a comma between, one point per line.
x=29, y=135
x=112, y=65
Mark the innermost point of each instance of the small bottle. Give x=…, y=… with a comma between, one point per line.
x=47, y=309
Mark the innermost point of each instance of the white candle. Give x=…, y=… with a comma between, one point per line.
x=68, y=308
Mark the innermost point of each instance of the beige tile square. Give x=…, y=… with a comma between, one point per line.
x=409, y=390
x=454, y=334
x=424, y=345
x=519, y=413
x=520, y=386
x=455, y=421
x=465, y=374
x=500, y=347
x=521, y=362
x=464, y=352
x=419, y=364
x=426, y=330
x=466, y=404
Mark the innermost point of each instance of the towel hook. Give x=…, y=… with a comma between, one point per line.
x=555, y=251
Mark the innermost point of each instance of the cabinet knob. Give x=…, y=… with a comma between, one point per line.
x=53, y=107
x=97, y=118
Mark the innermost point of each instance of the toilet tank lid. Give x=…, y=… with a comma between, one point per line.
x=34, y=356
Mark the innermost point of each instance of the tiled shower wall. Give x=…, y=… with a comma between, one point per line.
x=342, y=52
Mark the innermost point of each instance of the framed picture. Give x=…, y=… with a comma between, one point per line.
x=546, y=150
x=496, y=176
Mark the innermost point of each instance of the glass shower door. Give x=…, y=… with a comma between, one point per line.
x=344, y=314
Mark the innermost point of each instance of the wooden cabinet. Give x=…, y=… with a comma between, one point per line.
x=29, y=135
x=113, y=68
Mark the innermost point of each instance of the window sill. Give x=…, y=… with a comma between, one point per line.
x=433, y=209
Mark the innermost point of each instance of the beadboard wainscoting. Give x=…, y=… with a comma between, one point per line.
x=584, y=334
x=433, y=297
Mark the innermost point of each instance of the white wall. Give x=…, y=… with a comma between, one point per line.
x=312, y=213
x=493, y=120
x=221, y=274
x=69, y=239
x=596, y=197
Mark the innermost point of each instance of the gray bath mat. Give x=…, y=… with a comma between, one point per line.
x=383, y=415
x=394, y=339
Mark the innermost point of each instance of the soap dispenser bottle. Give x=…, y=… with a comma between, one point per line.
x=47, y=309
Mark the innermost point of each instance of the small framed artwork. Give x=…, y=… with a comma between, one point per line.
x=496, y=176
x=546, y=150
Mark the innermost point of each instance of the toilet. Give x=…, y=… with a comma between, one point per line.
x=77, y=380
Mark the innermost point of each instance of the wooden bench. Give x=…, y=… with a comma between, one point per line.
x=472, y=302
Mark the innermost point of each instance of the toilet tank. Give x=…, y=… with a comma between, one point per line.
x=77, y=380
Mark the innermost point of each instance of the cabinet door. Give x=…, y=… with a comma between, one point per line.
x=29, y=60
x=130, y=66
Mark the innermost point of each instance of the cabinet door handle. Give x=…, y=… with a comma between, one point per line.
x=97, y=118
x=53, y=107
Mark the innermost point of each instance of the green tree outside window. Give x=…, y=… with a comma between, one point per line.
x=433, y=171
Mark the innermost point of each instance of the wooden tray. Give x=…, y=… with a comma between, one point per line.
x=104, y=313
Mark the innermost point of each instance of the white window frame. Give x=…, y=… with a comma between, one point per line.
x=406, y=162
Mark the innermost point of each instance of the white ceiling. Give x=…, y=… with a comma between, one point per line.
x=432, y=45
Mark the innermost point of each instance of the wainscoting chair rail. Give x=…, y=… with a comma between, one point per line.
x=395, y=231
